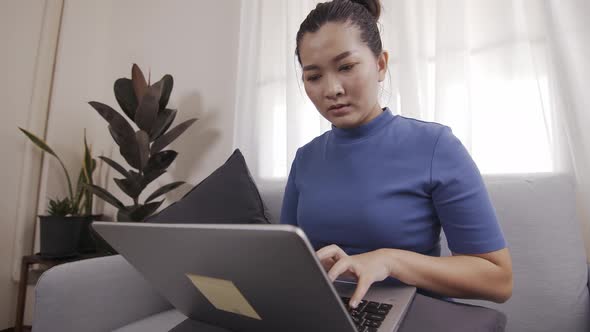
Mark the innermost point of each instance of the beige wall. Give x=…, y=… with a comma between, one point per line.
x=22, y=91
x=195, y=41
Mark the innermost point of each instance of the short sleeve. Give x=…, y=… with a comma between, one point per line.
x=461, y=199
x=291, y=198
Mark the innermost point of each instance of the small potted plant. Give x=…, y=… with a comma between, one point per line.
x=141, y=142
x=65, y=230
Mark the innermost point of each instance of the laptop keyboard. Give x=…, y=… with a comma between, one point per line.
x=368, y=315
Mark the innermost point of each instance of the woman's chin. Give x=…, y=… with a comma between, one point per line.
x=344, y=122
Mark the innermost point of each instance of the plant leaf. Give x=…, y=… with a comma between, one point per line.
x=131, y=187
x=115, y=137
x=143, y=147
x=116, y=166
x=164, y=140
x=130, y=151
x=125, y=95
x=131, y=155
x=120, y=129
x=160, y=161
x=139, y=84
x=167, y=84
x=87, y=165
x=43, y=146
x=147, y=110
x=79, y=190
x=149, y=177
x=38, y=142
x=105, y=195
x=87, y=194
x=163, y=121
x=164, y=189
x=60, y=207
x=144, y=211
x=123, y=214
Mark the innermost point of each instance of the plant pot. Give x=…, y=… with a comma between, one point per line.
x=60, y=236
x=88, y=242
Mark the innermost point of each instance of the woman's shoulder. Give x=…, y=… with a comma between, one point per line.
x=419, y=135
x=313, y=145
x=421, y=127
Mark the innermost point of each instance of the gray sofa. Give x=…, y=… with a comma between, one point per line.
x=537, y=214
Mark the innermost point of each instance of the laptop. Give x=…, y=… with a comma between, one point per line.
x=250, y=278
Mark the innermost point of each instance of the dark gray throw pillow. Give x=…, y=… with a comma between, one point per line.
x=229, y=195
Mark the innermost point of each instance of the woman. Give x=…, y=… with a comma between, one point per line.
x=373, y=193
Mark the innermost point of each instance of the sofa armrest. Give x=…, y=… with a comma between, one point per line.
x=99, y=294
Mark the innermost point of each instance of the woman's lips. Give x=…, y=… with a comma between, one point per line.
x=340, y=110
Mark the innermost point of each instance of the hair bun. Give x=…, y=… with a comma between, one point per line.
x=373, y=6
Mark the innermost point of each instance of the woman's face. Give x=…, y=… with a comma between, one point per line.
x=341, y=75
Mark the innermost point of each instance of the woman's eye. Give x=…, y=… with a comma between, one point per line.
x=313, y=78
x=346, y=67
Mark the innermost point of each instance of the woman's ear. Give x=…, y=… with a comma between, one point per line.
x=382, y=62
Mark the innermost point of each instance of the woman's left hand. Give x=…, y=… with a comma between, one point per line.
x=368, y=268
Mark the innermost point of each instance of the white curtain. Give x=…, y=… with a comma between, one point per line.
x=505, y=75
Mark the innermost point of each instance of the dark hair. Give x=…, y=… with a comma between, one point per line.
x=362, y=13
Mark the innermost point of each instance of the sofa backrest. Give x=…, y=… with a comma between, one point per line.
x=538, y=217
x=537, y=213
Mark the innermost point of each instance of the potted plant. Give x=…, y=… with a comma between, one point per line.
x=65, y=229
x=141, y=142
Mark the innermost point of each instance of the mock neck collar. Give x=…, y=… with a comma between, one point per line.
x=365, y=130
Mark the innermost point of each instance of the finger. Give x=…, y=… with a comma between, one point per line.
x=327, y=263
x=361, y=290
x=327, y=260
x=339, y=268
x=331, y=251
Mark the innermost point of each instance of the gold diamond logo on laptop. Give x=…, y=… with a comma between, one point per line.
x=224, y=295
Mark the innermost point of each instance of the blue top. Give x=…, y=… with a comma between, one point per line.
x=390, y=183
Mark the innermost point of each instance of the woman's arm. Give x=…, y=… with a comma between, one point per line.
x=483, y=276
x=290, y=198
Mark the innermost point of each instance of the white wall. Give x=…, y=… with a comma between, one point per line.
x=21, y=89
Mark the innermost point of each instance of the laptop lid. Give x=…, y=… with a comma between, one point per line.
x=241, y=277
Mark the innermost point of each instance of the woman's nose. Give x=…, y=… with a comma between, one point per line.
x=334, y=88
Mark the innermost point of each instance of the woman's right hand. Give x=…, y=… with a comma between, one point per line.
x=329, y=261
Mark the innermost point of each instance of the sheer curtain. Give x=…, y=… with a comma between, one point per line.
x=505, y=75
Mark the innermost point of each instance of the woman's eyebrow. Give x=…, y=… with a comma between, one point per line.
x=335, y=59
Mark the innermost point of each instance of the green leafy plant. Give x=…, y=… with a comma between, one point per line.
x=142, y=145
x=79, y=202
x=59, y=207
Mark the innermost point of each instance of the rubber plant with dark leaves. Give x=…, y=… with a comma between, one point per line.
x=141, y=142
